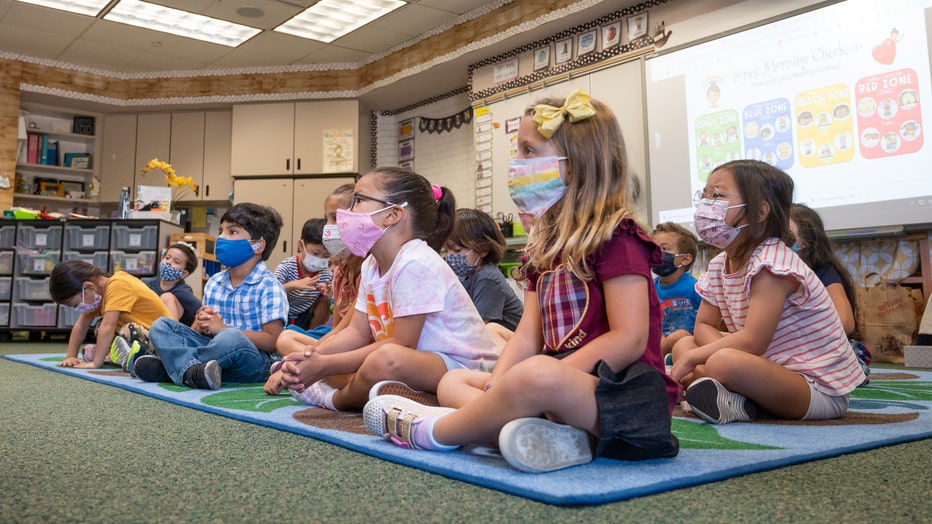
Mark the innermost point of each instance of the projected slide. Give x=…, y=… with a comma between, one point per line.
x=838, y=97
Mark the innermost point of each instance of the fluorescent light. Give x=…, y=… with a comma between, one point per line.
x=180, y=23
x=82, y=7
x=328, y=20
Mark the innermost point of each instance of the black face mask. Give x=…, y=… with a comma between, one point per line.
x=668, y=266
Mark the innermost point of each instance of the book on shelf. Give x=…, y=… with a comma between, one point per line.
x=51, y=155
x=32, y=151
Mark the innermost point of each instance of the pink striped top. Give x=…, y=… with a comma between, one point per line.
x=809, y=338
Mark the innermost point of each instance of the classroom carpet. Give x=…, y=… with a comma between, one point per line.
x=895, y=407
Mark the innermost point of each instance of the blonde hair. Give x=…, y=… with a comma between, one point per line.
x=597, y=195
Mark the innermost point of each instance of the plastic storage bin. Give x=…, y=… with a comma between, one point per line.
x=26, y=315
x=4, y=314
x=6, y=286
x=38, y=264
x=87, y=238
x=133, y=237
x=6, y=262
x=39, y=237
x=8, y=239
x=67, y=316
x=98, y=259
x=140, y=264
x=32, y=289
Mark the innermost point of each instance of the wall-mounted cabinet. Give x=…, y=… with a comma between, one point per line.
x=289, y=138
x=57, y=163
x=196, y=144
x=296, y=199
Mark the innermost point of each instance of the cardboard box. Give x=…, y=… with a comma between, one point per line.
x=204, y=244
x=917, y=356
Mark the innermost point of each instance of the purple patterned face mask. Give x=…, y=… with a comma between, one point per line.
x=358, y=231
x=710, y=223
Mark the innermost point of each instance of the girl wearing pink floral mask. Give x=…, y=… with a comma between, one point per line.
x=413, y=320
x=785, y=350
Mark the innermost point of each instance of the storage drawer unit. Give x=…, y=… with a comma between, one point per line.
x=38, y=264
x=98, y=259
x=127, y=237
x=8, y=238
x=4, y=314
x=28, y=315
x=6, y=262
x=87, y=237
x=6, y=285
x=140, y=264
x=67, y=316
x=32, y=289
x=39, y=237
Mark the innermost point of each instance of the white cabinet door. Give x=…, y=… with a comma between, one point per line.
x=277, y=194
x=118, y=157
x=153, y=140
x=312, y=119
x=263, y=140
x=187, y=150
x=217, y=135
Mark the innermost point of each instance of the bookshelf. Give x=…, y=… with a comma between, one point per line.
x=56, y=165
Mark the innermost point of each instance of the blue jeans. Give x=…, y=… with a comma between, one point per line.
x=180, y=347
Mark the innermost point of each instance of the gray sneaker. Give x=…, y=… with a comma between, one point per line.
x=536, y=445
x=203, y=376
x=709, y=399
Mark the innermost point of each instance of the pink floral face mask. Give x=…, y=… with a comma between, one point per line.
x=709, y=220
x=358, y=231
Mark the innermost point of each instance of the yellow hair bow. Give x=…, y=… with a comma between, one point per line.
x=550, y=118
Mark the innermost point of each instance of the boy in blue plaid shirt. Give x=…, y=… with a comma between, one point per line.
x=232, y=338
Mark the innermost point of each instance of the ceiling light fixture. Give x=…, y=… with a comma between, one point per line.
x=328, y=20
x=180, y=23
x=82, y=7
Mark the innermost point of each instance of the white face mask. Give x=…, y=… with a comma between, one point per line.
x=333, y=242
x=314, y=264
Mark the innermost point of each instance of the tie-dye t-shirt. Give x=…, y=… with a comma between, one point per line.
x=572, y=311
x=420, y=282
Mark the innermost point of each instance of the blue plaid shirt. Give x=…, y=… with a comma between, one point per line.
x=258, y=300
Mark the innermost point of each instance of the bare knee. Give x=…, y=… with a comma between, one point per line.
x=725, y=364
x=384, y=363
x=682, y=346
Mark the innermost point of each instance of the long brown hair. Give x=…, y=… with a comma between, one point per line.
x=816, y=251
x=596, y=199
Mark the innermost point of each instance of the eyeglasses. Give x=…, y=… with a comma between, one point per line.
x=359, y=197
x=711, y=194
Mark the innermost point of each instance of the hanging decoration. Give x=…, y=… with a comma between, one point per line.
x=446, y=124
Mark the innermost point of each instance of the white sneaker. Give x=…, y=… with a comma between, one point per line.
x=709, y=399
x=398, y=388
x=537, y=445
x=316, y=395
x=396, y=418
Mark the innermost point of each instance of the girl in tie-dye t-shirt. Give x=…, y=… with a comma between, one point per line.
x=413, y=320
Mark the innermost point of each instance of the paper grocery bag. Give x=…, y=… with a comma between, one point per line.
x=888, y=320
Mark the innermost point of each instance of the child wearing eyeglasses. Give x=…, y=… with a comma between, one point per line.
x=785, y=350
x=413, y=320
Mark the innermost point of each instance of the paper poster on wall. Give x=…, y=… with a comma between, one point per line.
x=338, y=150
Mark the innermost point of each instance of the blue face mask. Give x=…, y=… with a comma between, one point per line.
x=669, y=265
x=169, y=272
x=232, y=253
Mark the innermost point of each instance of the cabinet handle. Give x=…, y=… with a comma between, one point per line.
x=287, y=164
x=285, y=247
x=299, y=164
x=206, y=191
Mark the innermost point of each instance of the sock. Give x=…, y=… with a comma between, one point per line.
x=329, y=392
x=423, y=436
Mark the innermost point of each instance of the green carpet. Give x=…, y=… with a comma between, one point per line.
x=76, y=451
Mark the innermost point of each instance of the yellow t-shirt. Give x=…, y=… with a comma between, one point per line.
x=133, y=299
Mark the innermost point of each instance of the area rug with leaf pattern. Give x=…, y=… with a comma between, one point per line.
x=895, y=407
